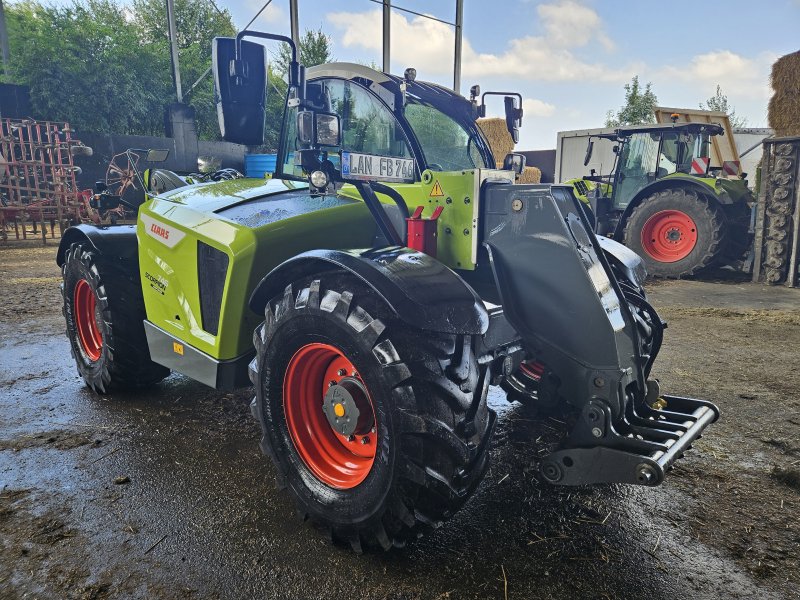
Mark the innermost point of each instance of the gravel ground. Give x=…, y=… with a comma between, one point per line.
x=165, y=494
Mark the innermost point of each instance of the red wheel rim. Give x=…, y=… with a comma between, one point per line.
x=89, y=334
x=339, y=461
x=669, y=235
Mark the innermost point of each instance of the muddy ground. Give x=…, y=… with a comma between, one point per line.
x=165, y=494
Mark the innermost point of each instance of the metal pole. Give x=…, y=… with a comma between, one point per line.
x=457, y=57
x=387, y=35
x=4, y=37
x=173, y=48
x=295, y=24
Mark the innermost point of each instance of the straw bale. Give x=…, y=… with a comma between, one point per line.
x=784, y=108
x=530, y=175
x=500, y=141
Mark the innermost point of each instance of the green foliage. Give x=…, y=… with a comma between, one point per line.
x=315, y=49
x=638, y=107
x=719, y=103
x=104, y=66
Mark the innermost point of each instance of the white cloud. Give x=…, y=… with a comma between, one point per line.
x=532, y=107
x=272, y=14
x=428, y=46
x=570, y=24
x=737, y=75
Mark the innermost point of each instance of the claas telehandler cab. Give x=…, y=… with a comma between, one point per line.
x=371, y=292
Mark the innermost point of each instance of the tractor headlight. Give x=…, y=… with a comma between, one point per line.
x=319, y=179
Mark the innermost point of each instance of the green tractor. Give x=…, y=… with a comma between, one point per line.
x=664, y=202
x=371, y=293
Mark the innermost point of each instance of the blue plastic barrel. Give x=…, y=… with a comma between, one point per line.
x=256, y=165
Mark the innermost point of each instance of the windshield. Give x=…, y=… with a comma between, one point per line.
x=679, y=149
x=447, y=146
x=368, y=127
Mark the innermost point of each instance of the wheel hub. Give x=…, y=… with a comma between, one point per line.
x=347, y=407
x=669, y=236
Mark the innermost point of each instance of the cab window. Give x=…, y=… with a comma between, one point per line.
x=368, y=126
x=447, y=146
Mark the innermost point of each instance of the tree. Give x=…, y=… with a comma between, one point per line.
x=104, y=66
x=719, y=103
x=315, y=49
x=638, y=107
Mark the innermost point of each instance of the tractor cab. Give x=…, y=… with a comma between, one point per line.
x=648, y=153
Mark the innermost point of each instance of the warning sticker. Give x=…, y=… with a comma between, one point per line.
x=436, y=192
x=177, y=348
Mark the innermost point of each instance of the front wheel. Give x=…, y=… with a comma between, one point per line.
x=377, y=432
x=676, y=232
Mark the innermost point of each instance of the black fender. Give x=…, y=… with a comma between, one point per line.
x=687, y=182
x=116, y=243
x=419, y=289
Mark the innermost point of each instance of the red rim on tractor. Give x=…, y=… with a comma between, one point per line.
x=669, y=236
x=330, y=415
x=89, y=335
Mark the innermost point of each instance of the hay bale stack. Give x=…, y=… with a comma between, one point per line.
x=530, y=175
x=784, y=107
x=500, y=141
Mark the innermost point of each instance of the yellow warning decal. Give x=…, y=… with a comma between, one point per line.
x=177, y=348
x=436, y=192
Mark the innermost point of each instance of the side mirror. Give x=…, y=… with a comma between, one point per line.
x=513, y=116
x=589, y=149
x=240, y=86
x=157, y=155
x=514, y=162
x=318, y=128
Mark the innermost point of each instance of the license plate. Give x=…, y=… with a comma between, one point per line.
x=376, y=168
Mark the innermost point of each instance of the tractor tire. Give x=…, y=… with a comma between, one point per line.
x=419, y=448
x=677, y=232
x=104, y=312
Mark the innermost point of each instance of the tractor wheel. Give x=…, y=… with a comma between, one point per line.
x=104, y=310
x=676, y=232
x=378, y=432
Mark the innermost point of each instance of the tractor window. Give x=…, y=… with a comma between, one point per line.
x=678, y=150
x=447, y=146
x=368, y=126
x=639, y=154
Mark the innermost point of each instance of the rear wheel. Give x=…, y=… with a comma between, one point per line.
x=676, y=232
x=104, y=312
x=377, y=431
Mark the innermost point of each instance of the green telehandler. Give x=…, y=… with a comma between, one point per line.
x=371, y=293
x=664, y=201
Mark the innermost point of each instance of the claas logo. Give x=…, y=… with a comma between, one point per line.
x=160, y=231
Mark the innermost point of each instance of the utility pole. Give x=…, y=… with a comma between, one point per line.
x=457, y=57
x=173, y=48
x=387, y=35
x=4, y=38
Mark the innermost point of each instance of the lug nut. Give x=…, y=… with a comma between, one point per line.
x=365, y=440
x=351, y=438
x=599, y=382
x=341, y=372
x=331, y=383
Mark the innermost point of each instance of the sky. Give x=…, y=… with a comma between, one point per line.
x=568, y=58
